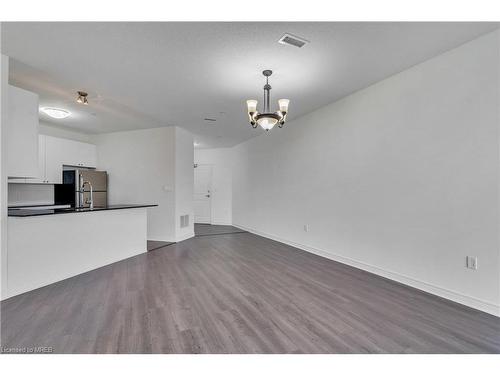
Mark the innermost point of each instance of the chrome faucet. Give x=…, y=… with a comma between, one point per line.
x=89, y=201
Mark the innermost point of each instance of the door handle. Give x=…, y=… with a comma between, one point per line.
x=208, y=195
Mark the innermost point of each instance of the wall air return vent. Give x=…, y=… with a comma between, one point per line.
x=184, y=221
x=292, y=40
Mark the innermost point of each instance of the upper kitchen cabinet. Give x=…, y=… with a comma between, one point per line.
x=21, y=132
x=59, y=152
x=73, y=153
x=52, y=167
x=54, y=153
x=87, y=155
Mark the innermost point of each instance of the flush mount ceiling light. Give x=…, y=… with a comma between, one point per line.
x=267, y=119
x=82, y=98
x=56, y=112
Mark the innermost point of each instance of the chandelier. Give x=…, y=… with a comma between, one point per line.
x=267, y=119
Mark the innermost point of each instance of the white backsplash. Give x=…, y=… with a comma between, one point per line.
x=30, y=194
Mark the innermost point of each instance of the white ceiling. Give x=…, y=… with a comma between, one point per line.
x=143, y=75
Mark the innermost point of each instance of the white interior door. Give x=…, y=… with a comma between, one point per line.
x=202, y=194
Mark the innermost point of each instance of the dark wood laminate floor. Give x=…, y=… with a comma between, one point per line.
x=211, y=230
x=240, y=294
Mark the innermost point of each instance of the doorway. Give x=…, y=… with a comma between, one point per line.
x=202, y=194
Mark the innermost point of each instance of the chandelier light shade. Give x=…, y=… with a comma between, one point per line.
x=283, y=103
x=252, y=105
x=267, y=119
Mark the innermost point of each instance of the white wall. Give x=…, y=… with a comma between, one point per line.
x=4, y=80
x=142, y=168
x=184, y=182
x=400, y=179
x=49, y=129
x=221, y=193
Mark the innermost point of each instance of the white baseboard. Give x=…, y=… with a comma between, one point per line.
x=184, y=237
x=173, y=239
x=469, y=301
x=215, y=222
x=162, y=239
x=221, y=223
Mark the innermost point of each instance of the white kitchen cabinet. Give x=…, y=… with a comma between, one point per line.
x=21, y=132
x=87, y=155
x=78, y=154
x=49, y=164
x=40, y=179
x=50, y=161
x=54, y=153
x=41, y=159
x=17, y=180
x=60, y=151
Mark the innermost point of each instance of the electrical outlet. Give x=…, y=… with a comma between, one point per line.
x=306, y=228
x=471, y=262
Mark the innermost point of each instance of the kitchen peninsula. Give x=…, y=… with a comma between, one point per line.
x=49, y=245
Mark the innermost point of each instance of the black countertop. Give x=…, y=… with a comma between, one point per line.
x=16, y=212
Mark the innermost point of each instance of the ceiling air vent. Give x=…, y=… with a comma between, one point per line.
x=292, y=40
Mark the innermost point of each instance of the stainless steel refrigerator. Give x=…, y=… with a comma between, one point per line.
x=75, y=189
